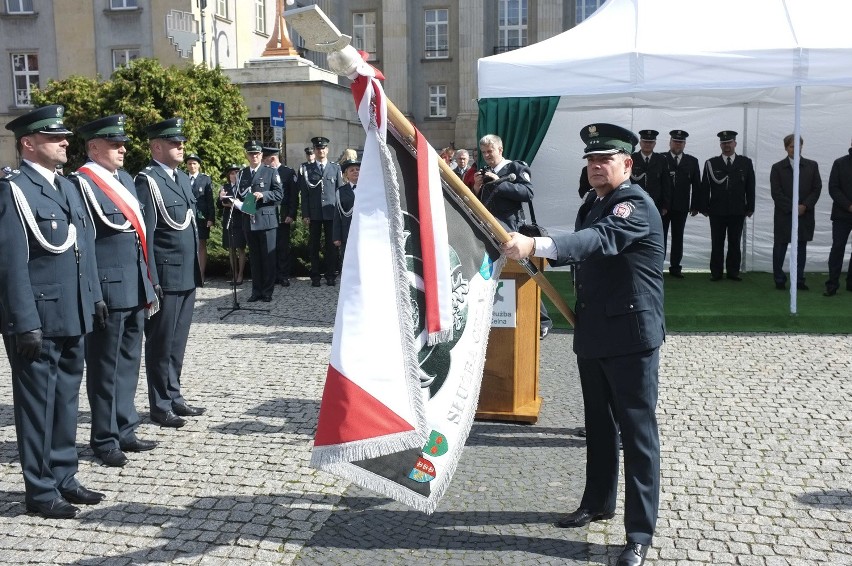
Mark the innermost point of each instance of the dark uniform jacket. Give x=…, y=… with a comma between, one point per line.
x=617, y=249
x=266, y=181
x=685, y=182
x=505, y=199
x=727, y=191
x=781, y=185
x=202, y=189
x=319, y=189
x=40, y=289
x=174, y=252
x=653, y=177
x=290, y=200
x=342, y=222
x=122, y=271
x=840, y=188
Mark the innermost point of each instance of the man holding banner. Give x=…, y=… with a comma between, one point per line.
x=114, y=351
x=617, y=249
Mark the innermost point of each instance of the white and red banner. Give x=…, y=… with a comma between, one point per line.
x=412, y=323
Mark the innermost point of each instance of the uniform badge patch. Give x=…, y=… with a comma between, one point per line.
x=623, y=209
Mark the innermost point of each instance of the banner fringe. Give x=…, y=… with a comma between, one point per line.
x=440, y=337
x=324, y=456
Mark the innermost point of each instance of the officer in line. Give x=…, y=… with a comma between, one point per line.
x=260, y=226
x=205, y=217
x=685, y=182
x=286, y=214
x=345, y=204
x=650, y=171
x=114, y=352
x=727, y=197
x=168, y=207
x=318, y=182
x=617, y=249
x=48, y=302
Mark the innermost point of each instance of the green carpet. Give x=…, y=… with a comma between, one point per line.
x=696, y=304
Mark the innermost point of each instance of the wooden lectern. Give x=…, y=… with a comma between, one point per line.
x=510, y=379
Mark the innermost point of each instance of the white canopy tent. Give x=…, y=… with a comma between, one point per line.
x=698, y=65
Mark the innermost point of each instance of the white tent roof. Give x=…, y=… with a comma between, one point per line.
x=656, y=50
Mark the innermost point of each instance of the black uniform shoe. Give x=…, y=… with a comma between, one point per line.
x=138, y=445
x=113, y=458
x=633, y=554
x=187, y=410
x=715, y=278
x=315, y=283
x=780, y=286
x=829, y=292
x=168, y=419
x=266, y=299
x=82, y=496
x=802, y=287
x=56, y=509
x=582, y=517
x=254, y=298
x=331, y=282
x=734, y=277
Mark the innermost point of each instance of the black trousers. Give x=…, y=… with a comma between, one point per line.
x=724, y=226
x=113, y=356
x=319, y=229
x=779, y=252
x=282, y=247
x=46, y=396
x=840, y=230
x=677, y=220
x=262, y=260
x=166, y=335
x=620, y=393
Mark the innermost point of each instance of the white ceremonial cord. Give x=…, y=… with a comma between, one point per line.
x=27, y=219
x=90, y=198
x=158, y=198
x=346, y=213
x=712, y=176
x=304, y=171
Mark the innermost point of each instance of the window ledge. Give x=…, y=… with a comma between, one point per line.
x=223, y=19
x=122, y=11
x=436, y=59
x=19, y=15
x=437, y=119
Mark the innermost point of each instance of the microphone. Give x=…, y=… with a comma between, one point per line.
x=510, y=177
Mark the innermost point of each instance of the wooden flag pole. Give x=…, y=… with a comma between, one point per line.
x=320, y=34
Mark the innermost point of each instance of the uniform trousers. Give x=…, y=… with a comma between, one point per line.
x=728, y=226
x=282, y=247
x=261, y=245
x=322, y=229
x=46, y=396
x=620, y=393
x=840, y=230
x=677, y=220
x=166, y=335
x=779, y=253
x=113, y=356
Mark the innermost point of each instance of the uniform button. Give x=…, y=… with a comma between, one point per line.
x=41, y=294
x=631, y=306
x=580, y=286
x=582, y=305
x=53, y=216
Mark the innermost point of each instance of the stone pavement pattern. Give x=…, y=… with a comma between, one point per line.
x=757, y=451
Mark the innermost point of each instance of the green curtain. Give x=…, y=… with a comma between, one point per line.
x=520, y=122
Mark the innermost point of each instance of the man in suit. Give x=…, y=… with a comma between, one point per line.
x=781, y=185
x=205, y=209
x=168, y=208
x=650, y=171
x=840, y=190
x=114, y=352
x=685, y=183
x=260, y=225
x=617, y=249
x=727, y=197
x=286, y=213
x=318, y=182
x=462, y=159
x=48, y=301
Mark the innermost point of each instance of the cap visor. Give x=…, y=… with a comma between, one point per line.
x=601, y=152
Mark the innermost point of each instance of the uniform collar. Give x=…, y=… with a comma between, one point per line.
x=49, y=175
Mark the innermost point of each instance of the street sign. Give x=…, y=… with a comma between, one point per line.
x=277, y=115
x=278, y=134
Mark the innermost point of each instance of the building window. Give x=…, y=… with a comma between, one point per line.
x=19, y=6
x=364, y=33
x=437, y=34
x=122, y=57
x=123, y=4
x=25, y=77
x=438, y=101
x=222, y=8
x=512, y=24
x=261, y=129
x=260, y=16
x=586, y=8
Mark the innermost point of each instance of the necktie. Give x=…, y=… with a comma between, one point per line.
x=174, y=176
x=115, y=175
x=192, y=180
x=729, y=162
x=56, y=183
x=647, y=160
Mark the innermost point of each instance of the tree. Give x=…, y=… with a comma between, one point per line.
x=214, y=112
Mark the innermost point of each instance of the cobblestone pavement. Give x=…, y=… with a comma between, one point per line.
x=757, y=451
